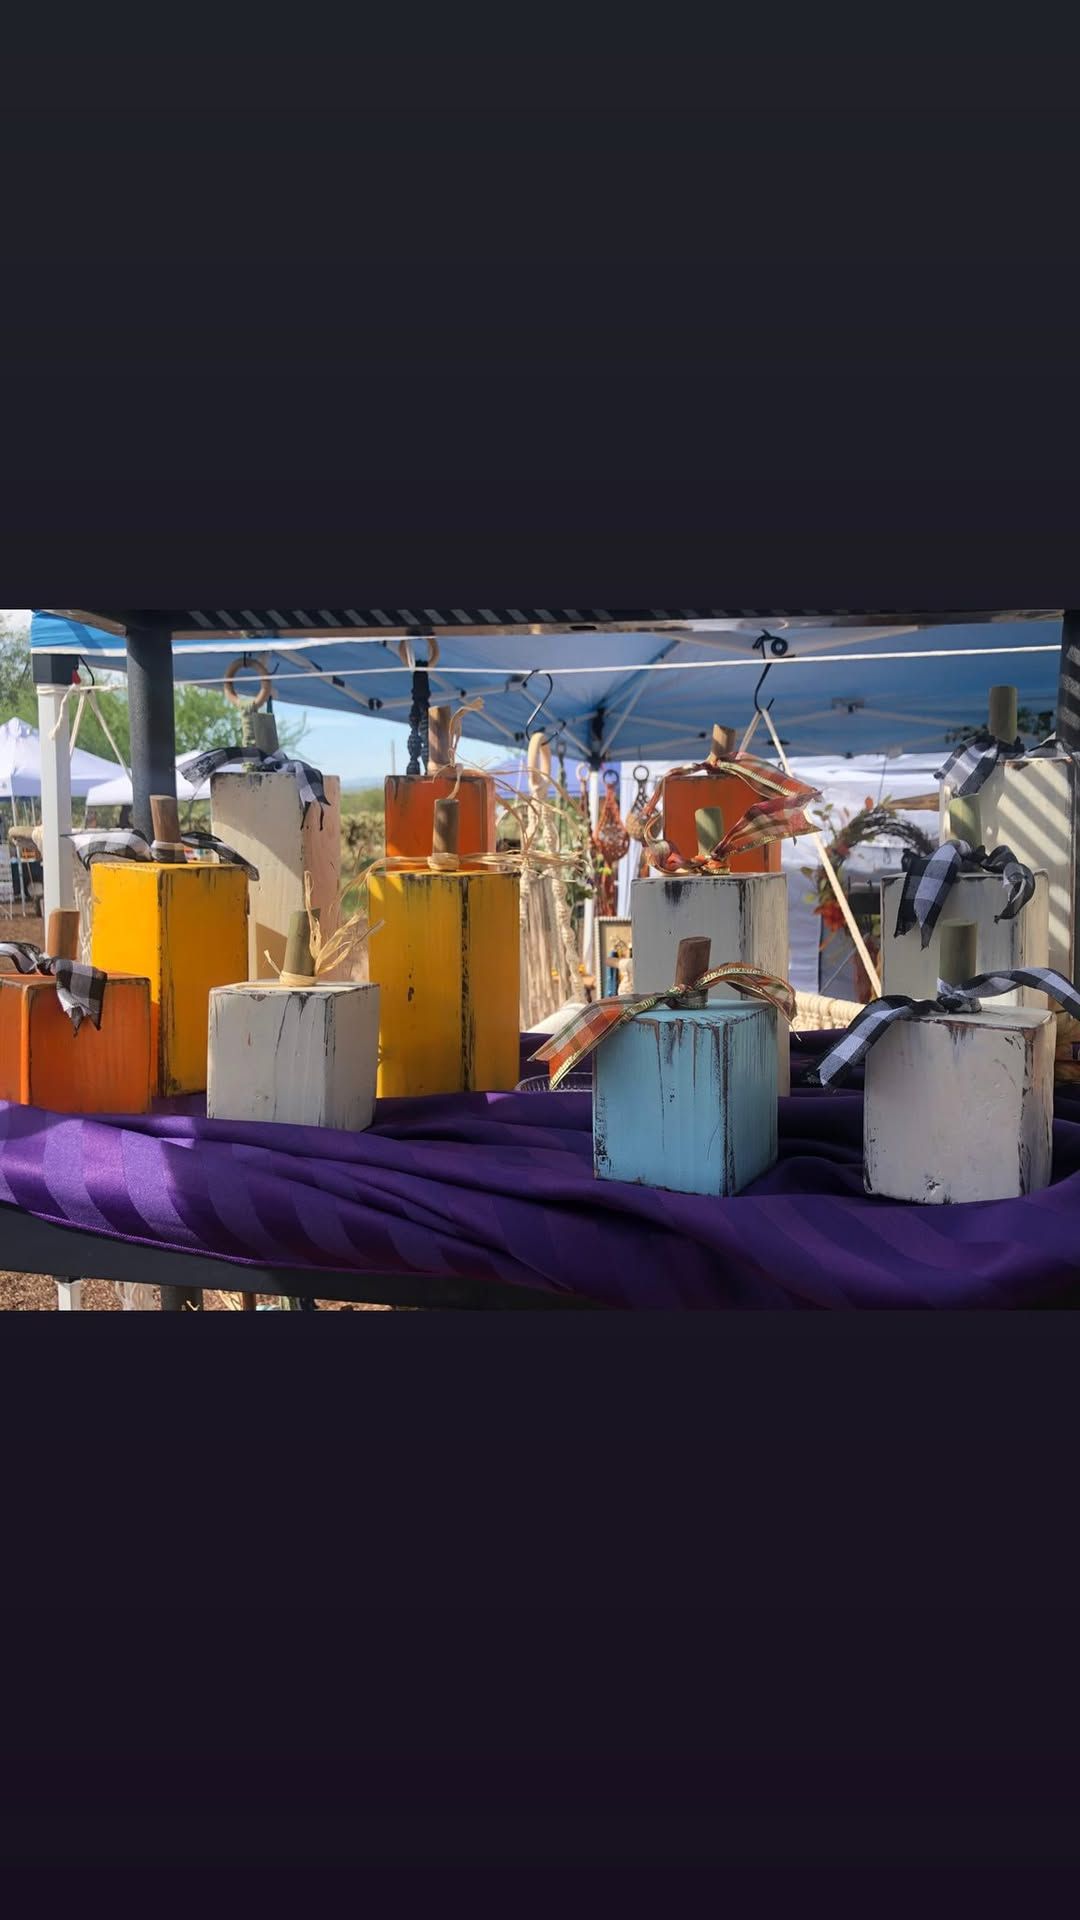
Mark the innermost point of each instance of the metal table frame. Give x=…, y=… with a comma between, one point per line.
x=29, y=1245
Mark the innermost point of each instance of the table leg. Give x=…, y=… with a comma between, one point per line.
x=176, y=1299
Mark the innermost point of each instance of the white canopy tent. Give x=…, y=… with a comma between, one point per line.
x=118, y=793
x=20, y=764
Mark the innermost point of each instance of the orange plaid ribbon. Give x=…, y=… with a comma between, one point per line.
x=587, y=1029
x=778, y=815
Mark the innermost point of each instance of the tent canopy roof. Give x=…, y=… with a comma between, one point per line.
x=20, y=764
x=841, y=683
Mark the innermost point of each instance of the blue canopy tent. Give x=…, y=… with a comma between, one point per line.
x=839, y=687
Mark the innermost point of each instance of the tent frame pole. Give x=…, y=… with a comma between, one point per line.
x=52, y=678
x=152, y=717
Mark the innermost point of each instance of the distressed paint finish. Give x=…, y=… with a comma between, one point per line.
x=744, y=915
x=183, y=928
x=45, y=1063
x=447, y=960
x=1032, y=807
x=300, y=1056
x=908, y=967
x=261, y=816
x=409, y=801
x=685, y=793
x=959, y=1107
x=687, y=1099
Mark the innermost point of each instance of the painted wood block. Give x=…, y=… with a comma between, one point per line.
x=45, y=1063
x=685, y=793
x=960, y=1107
x=745, y=916
x=409, y=801
x=687, y=1099
x=971, y=902
x=184, y=928
x=261, y=816
x=1032, y=806
x=300, y=1056
x=447, y=960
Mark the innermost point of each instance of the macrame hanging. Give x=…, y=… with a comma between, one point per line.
x=610, y=842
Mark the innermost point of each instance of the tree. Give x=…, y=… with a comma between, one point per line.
x=204, y=718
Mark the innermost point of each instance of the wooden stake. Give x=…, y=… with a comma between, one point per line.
x=723, y=743
x=298, y=958
x=709, y=825
x=440, y=751
x=1003, y=714
x=62, y=941
x=165, y=814
x=444, y=836
x=958, y=952
x=691, y=961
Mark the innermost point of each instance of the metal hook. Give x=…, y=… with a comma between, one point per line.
x=776, y=645
x=550, y=735
x=765, y=671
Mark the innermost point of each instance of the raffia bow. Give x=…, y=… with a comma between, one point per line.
x=589, y=1028
x=328, y=952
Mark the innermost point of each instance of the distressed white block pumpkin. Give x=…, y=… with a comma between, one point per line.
x=261, y=816
x=745, y=915
x=959, y=1106
x=996, y=946
x=301, y=1056
x=1033, y=806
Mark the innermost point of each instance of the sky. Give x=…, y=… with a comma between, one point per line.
x=359, y=749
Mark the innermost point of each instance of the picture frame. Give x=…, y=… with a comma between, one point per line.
x=612, y=941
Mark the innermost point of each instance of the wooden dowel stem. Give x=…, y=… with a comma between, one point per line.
x=165, y=814
x=444, y=836
x=62, y=940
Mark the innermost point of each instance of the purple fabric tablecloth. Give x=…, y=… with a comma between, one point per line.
x=501, y=1187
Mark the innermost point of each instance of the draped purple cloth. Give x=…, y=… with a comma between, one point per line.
x=501, y=1187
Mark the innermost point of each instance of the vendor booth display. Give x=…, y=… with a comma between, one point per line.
x=732, y=787
x=302, y=1049
x=445, y=953
x=71, y=1038
x=181, y=923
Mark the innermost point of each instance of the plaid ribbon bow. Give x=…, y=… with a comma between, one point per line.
x=308, y=779
x=970, y=767
x=869, y=1025
x=778, y=815
x=80, y=989
x=928, y=877
x=584, y=1033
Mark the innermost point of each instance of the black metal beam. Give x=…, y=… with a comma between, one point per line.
x=153, y=722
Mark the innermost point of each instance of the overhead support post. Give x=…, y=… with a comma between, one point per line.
x=52, y=678
x=152, y=717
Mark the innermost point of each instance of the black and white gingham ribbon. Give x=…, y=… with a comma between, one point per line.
x=970, y=767
x=116, y=842
x=80, y=989
x=209, y=843
x=308, y=779
x=129, y=844
x=869, y=1025
x=928, y=877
